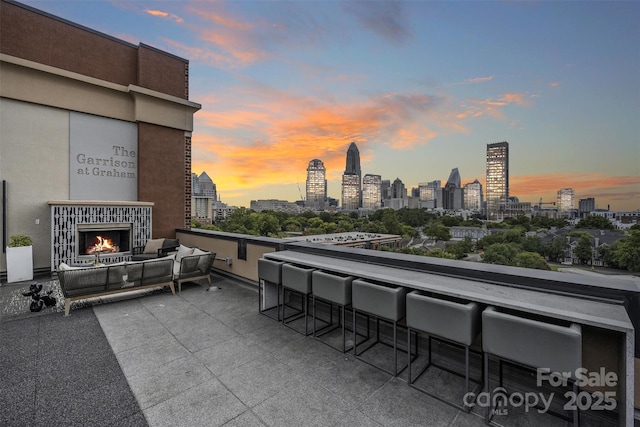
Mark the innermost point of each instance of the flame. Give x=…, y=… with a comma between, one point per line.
x=103, y=245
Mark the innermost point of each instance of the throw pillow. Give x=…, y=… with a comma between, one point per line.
x=153, y=246
x=65, y=267
x=197, y=251
x=183, y=251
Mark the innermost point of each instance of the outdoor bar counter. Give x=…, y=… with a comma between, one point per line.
x=600, y=318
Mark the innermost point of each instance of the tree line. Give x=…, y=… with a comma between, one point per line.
x=509, y=246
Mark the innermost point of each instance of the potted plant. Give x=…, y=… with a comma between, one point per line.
x=19, y=258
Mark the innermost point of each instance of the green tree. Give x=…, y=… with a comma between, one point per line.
x=461, y=248
x=556, y=248
x=584, y=249
x=473, y=222
x=520, y=221
x=500, y=253
x=626, y=251
x=292, y=224
x=345, y=225
x=490, y=239
x=391, y=222
x=527, y=259
x=437, y=232
x=450, y=221
x=533, y=244
x=266, y=224
x=595, y=222
x=408, y=231
x=439, y=253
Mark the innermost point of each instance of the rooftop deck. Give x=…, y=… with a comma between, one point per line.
x=202, y=358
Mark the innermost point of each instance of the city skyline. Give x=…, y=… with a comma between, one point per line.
x=421, y=87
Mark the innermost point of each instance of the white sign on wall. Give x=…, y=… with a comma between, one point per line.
x=103, y=158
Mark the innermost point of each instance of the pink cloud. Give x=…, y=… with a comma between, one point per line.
x=165, y=15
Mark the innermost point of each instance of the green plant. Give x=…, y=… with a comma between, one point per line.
x=19, y=240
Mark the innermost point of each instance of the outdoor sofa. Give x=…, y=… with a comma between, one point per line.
x=184, y=265
x=155, y=248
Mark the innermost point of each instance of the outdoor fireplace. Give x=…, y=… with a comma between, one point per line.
x=103, y=238
x=76, y=224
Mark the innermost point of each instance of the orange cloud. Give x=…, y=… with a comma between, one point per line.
x=493, y=107
x=273, y=136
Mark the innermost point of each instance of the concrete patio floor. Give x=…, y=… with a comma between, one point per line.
x=209, y=358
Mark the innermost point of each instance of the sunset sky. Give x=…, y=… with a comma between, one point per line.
x=421, y=87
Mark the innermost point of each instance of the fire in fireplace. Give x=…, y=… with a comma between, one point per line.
x=103, y=238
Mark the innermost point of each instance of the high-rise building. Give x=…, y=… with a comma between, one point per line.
x=316, y=185
x=195, y=184
x=398, y=189
x=207, y=187
x=497, y=184
x=565, y=202
x=351, y=180
x=586, y=206
x=371, y=191
x=473, y=196
x=386, y=189
x=430, y=194
x=452, y=195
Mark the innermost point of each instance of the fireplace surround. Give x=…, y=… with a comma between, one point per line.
x=75, y=226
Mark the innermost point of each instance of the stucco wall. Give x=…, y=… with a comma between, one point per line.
x=34, y=160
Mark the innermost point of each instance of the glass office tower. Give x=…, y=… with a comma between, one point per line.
x=351, y=180
x=316, y=185
x=497, y=184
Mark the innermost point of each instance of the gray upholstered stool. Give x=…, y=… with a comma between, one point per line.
x=269, y=282
x=531, y=343
x=385, y=303
x=333, y=289
x=298, y=280
x=449, y=320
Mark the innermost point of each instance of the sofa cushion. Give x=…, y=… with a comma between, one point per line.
x=153, y=246
x=65, y=267
x=170, y=243
x=183, y=251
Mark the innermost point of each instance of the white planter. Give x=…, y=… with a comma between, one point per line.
x=19, y=264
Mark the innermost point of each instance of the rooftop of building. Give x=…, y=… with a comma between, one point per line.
x=198, y=358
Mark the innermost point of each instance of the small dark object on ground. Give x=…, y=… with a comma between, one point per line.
x=39, y=301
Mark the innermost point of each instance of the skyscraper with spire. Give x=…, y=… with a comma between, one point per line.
x=352, y=180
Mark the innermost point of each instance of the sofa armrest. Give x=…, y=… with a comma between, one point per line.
x=137, y=250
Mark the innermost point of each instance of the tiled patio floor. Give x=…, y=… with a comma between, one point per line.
x=209, y=358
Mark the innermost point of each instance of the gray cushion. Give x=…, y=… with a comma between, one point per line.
x=331, y=287
x=458, y=322
x=388, y=302
x=270, y=271
x=297, y=278
x=532, y=342
x=170, y=243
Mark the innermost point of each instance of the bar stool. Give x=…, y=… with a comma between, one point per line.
x=269, y=279
x=332, y=289
x=531, y=343
x=383, y=302
x=296, y=279
x=453, y=321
